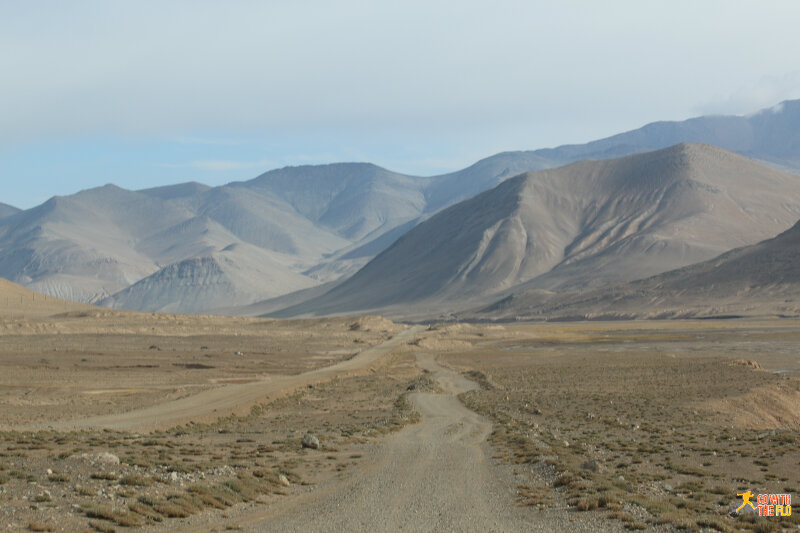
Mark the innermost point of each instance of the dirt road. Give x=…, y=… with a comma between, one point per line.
x=433, y=476
x=223, y=400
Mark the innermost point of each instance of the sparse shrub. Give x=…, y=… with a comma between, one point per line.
x=136, y=480
x=38, y=526
x=101, y=527
x=99, y=511
x=58, y=477
x=106, y=476
x=146, y=511
x=171, y=510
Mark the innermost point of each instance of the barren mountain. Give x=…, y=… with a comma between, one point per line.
x=757, y=280
x=357, y=201
x=238, y=275
x=771, y=135
x=83, y=246
x=333, y=219
x=582, y=225
x=7, y=210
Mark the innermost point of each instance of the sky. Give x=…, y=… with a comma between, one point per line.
x=146, y=93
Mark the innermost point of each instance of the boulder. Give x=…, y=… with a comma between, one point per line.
x=310, y=441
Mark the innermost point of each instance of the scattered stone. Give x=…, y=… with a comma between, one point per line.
x=310, y=441
x=770, y=433
x=591, y=465
x=667, y=487
x=98, y=458
x=239, y=353
x=566, y=443
x=284, y=480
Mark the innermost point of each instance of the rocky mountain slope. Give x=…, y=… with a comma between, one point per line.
x=756, y=280
x=586, y=224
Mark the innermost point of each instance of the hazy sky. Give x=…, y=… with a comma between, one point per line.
x=142, y=93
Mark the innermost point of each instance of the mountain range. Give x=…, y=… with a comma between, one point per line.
x=194, y=248
x=584, y=225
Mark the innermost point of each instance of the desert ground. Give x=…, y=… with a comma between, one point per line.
x=116, y=421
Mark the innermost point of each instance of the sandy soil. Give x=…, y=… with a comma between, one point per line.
x=232, y=398
x=98, y=362
x=456, y=427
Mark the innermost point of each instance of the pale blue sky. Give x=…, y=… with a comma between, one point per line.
x=150, y=93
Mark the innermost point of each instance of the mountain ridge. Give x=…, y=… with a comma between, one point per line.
x=332, y=219
x=757, y=280
x=607, y=220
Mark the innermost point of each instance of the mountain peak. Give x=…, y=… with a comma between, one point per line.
x=587, y=223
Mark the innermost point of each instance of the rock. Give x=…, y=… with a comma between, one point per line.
x=173, y=477
x=667, y=487
x=566, y=443
x=310, y=441
x=98, y=458
x=591, y=465
x=284, y=480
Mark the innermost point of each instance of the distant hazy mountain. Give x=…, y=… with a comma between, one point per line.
x=93, y=244
x=326, y=222
x=356, y=201
x=582, y=225
x=757, y=280
x=771, y=135
x=7, y=210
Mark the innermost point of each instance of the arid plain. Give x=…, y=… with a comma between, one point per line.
x=124, y=421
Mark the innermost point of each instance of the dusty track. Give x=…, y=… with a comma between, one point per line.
x=433, y=476
x=231, y=398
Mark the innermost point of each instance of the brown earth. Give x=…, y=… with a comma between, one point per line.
x=642, y=424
